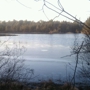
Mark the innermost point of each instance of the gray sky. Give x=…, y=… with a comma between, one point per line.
x=11, y=9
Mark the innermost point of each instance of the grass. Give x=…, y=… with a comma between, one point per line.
x=47, y=85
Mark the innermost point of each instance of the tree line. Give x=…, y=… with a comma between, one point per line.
x=24, y=26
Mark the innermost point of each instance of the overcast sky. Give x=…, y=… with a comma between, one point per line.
x=31, y=10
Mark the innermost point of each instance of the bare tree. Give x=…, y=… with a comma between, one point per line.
x=12, y=68
x=82, y=50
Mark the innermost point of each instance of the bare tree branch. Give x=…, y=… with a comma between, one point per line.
x=77, y=52
x=23, y=4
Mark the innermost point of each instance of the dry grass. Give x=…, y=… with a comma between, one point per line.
x=49, y=85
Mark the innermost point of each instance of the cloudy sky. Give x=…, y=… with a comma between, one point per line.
x=32, y=10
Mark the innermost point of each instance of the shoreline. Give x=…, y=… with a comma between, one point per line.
x=7, y=34
x=15, y=34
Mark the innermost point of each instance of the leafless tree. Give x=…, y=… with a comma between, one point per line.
x=12, y=68
x=82, y=50
x=59, y=9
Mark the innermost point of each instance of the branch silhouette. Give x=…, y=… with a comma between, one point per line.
x=23, y=4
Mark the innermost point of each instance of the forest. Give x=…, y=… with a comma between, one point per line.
x=40, y=27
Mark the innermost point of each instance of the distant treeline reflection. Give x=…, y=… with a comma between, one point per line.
x=39, y=27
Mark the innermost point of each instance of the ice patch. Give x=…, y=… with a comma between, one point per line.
x=44, y=50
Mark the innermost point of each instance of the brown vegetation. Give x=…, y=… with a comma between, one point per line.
x=46, y=85
x=39, y=27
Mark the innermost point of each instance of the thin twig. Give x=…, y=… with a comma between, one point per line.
x=77, y=58
x=23, y=4
x=44, y=12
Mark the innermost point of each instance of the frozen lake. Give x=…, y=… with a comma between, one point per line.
x=43, y=53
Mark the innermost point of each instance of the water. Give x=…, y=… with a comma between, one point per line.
x=43, y=53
